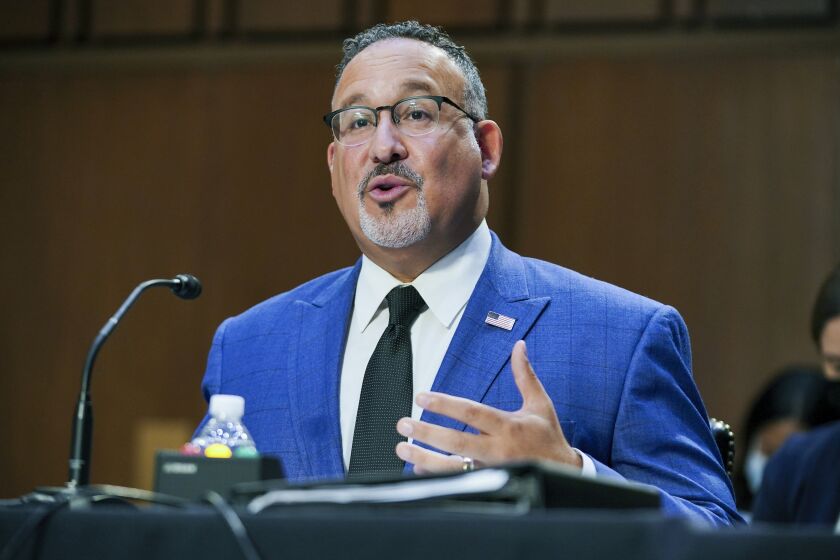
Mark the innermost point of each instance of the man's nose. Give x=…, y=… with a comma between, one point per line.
x=387, y=145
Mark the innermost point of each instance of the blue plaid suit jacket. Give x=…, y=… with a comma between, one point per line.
x=616, y=365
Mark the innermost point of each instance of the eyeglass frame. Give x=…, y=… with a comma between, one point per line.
x=439, y=99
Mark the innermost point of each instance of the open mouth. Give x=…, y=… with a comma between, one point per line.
x=388, y=188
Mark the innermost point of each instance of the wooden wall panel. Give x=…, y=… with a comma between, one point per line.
x=441, y=12
x=24, y=20
x=779, y=8
x=136, y=17
x=570, y=11
x=271, y=15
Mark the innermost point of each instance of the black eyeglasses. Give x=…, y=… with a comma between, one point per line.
x=414, y=116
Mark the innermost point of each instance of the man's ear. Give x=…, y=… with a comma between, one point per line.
x=330, y=155
x=489, y=137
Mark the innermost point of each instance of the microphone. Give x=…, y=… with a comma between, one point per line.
x=185, y=286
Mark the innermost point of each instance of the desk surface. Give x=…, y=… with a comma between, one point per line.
x=107, y=531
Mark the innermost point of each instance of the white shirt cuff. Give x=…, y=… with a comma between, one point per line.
x=588, y=467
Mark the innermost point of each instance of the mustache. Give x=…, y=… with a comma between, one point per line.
x=396, y=168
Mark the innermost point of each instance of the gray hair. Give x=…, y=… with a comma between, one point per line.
x=475, y=100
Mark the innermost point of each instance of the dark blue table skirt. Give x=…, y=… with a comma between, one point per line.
x=107, y=531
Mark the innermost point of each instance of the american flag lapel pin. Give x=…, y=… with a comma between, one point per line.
x=499, y=320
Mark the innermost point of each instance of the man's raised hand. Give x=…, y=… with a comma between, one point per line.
x=532, y=432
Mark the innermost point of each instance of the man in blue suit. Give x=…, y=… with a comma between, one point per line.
x=604, y=384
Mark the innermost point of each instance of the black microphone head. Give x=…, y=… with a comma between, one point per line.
x=187, y=286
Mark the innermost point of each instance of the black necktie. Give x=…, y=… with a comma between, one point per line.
x=386, y=391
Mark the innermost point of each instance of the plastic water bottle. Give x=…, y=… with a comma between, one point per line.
x=224, y=435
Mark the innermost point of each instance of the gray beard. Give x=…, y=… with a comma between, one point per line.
x=395, y=229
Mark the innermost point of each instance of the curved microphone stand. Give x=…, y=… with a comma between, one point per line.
x=185, y=286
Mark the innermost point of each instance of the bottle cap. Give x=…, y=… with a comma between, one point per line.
x=227, y=406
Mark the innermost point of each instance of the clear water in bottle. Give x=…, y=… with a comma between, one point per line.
x=224, y=435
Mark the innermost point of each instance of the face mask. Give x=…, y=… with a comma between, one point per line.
x=754, y=467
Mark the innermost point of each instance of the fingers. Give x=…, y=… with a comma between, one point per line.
x=532, y=391
x=483, y=418
x=426, y=461
x=447, y=439
x=532, y=432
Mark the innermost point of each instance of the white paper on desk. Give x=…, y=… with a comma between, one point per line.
x=475, y=482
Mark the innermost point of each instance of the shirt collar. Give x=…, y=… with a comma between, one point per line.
x=445, y=286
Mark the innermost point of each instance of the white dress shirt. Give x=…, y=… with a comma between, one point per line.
x=446, y=287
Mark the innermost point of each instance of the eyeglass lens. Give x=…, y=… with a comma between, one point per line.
x=414, y=117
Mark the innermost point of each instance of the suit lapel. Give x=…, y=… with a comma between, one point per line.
x=316, y=363
x=475, y=357
x=479, y=351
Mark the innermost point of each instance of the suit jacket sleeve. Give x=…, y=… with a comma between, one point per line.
x=212, y=382
x=662, y=435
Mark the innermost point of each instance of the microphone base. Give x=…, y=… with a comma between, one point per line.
x=54, y=494
x=76, y=497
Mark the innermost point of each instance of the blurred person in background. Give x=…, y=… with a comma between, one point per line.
x=825, y=324
x=785, y=406
x=801, y=483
